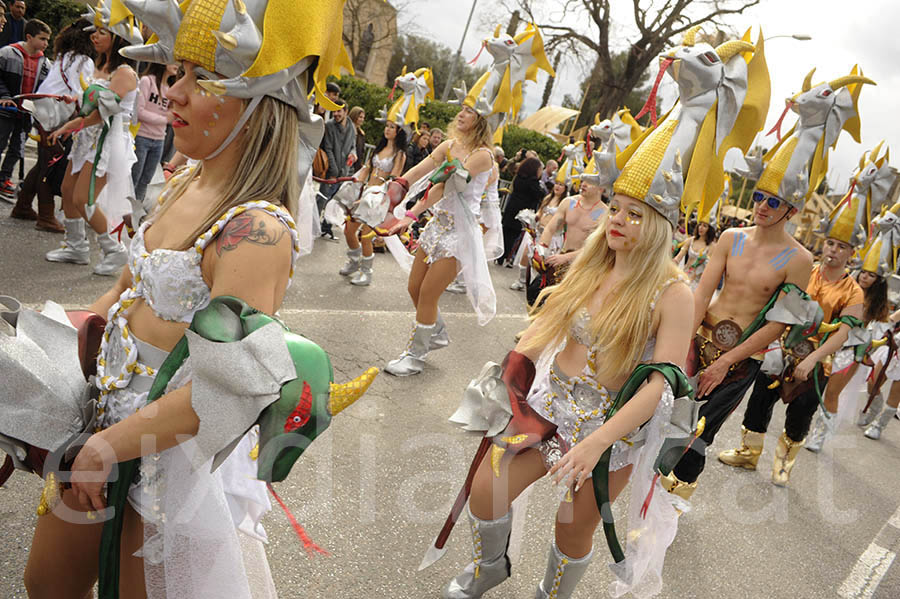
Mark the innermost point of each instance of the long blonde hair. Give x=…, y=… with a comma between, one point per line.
x=479, y=135
x=622, y=324
x=266, y=170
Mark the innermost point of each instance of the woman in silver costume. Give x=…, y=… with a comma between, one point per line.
x=452, y=241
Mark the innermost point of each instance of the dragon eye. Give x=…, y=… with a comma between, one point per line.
x=300, y=416
x=509, y=42
x=826, y=93
x=710, y=58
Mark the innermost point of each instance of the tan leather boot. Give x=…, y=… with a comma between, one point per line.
x=785, y=456
x=747, y=455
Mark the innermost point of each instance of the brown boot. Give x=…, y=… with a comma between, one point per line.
x=23, y=211
x=46, y=219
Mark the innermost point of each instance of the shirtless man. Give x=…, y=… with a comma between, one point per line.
x=580, y=215
x=755, y=262
x=838, y=294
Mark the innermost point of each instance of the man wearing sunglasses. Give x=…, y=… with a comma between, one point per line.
x=839, y=296
x=752, y=263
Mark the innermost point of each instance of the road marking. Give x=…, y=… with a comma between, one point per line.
x=867, y=573
x=874, y=563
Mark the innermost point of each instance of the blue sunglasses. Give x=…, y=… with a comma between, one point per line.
x=773, y=202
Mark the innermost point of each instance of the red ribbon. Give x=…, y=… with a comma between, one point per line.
x=480, y=50
x=308, y=544
x=391, y=95
x=777, y=128
x=650, y=104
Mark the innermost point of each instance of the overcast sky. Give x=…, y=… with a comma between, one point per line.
x=843, y=33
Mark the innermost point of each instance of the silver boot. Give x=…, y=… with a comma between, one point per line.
x=490, y=565
x=866, y=418
x=412, y=360
x=439, y=338
x=821, y=431
x=113, y=256
x=876, y=428
x=521, y=283
x=457, y=286
x=563, y=574
x=363, y=278
x=352, y=264
x=75, y=248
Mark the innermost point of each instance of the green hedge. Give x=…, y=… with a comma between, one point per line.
x=373, y=98
x=516, y=138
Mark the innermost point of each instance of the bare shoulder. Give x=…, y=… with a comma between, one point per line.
x=253, y=229
x=675, y=296
x=480, y=160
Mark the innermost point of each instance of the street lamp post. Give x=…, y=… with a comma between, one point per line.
x=456, y=59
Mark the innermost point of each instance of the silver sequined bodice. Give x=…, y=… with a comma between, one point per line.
x=173, y=283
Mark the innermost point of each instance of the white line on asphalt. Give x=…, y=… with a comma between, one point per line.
x=895, y=519
x=867, y=573
x=873, y=564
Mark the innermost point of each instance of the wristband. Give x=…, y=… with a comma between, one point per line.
x=411, y=215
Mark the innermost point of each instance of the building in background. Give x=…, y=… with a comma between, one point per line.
x=370, y=30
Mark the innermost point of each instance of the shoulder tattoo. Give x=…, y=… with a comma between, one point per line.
x=248, y=227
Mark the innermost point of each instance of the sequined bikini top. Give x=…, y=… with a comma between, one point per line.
x=171, y=281
x=385, y=165
x=581, y=325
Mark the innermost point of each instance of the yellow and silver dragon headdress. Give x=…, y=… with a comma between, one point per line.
x=497, y=95
x=796, y=165
x=114, y=16
x=415, y=88
x=723, y=100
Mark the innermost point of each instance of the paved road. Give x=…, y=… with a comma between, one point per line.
x=375, y=488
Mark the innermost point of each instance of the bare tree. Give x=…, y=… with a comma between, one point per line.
x=583, y=28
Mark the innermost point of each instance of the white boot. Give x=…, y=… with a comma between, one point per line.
x=439, y=338
x=866, y=418
x=352, y=265
x=457, y=286
x=521, y=283
x=490, y=565
x=562, y=575
x=113, y=256
x=821, y=431
x=363, y=278
x=75, y=248
x=412, y=360
x=874, y=431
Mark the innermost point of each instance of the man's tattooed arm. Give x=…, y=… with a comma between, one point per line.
x=250, y=227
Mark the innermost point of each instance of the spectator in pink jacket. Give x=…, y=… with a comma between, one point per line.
x=153, y=116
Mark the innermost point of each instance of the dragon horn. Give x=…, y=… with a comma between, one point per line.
x=727, y=50
x=829, y=328
x=341, y=396
x=807, y=81
x=848, y=80
x=690, y=36
x=497, y=31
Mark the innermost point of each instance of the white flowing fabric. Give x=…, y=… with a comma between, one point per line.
x=471, y=261
x=193, y=545
x=649, y=535
x=491, y=219
x=307, y=215
x=115, y=199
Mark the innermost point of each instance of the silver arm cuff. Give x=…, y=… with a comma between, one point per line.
x=233, y=383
